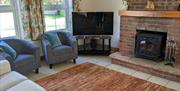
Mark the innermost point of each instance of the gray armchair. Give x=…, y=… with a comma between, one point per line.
x=28, y=56
x=68, y=49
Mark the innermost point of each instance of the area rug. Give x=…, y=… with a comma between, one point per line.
x=91, y=77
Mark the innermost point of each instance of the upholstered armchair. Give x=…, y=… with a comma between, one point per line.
x=28, y=56
x=66, y=51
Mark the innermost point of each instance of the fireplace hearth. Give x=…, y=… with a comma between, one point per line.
x=150, y=45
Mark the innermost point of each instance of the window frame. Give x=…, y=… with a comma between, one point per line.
x=14, y=8
x=66, y=10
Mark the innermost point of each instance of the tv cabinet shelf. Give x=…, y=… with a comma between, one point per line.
x=94, y=44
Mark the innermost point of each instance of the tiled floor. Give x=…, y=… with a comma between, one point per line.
x=106, y=62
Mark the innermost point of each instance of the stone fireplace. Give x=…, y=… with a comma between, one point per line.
x=150, y=45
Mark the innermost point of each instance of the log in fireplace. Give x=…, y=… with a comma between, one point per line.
x=150, y=45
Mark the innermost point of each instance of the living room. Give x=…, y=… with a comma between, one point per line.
x=89, y=45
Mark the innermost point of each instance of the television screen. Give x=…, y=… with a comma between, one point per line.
x=92, y=23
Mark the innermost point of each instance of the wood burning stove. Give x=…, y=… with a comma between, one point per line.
x=150, y=45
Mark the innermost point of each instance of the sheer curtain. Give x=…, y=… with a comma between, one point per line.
x=69, y=6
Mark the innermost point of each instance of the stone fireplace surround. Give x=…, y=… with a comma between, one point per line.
x=158, y=21
x=129, y=25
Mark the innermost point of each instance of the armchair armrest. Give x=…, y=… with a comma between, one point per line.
x=47, y=49
x=21, y=46
x=5, y=56
x=29, y=47
x=4, y=67
x=71, y=41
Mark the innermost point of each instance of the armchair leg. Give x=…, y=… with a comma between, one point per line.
x=50, y=66
x=37, y=71
x=74, y=61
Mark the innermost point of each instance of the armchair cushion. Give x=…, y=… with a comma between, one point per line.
x=8, y=49
x=61, y=50
x=4, y=67
x=62, y=36
x=24, y=60
x=53, y=39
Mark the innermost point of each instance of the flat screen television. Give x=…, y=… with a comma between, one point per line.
x=92, y=23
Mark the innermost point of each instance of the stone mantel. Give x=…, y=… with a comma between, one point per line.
x=152, y=14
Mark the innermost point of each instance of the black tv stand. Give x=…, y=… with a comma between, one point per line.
x=89, y=44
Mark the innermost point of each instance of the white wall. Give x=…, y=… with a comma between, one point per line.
x=105, y=5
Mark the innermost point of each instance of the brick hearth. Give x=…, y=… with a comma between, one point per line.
x=148, y=66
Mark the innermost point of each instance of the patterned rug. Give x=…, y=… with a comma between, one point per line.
x=91, y=77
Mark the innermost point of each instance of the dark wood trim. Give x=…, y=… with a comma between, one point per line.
x=113, y=49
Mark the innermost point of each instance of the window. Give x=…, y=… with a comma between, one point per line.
x=5, y=2
x=8, y=18
x=7, y=29
x=6, y=14
x=55, y=14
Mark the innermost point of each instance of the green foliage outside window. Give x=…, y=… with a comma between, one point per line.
x=52, y=2
x=5, y=2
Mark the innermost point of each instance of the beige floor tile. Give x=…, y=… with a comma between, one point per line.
x=103, y=63
x=141, y=75
x=63, y=66
x=34, y=76
x=158, y=80
x=121, y=69
x=114, y=67
x=104, y=58
x=128, y=71
x=173, y=85
x=92, y=60
x=44, y=70
x=83, y=59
